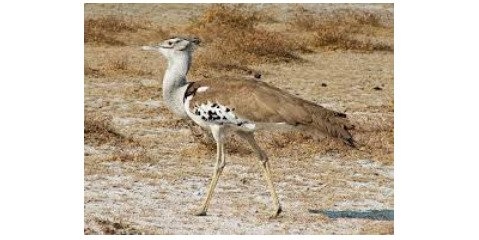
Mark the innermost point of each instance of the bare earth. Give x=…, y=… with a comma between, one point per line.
x=325, y=188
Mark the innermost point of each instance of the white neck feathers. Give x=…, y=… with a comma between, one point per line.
x=174, y=81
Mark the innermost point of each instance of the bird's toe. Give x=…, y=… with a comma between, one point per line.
x=200, y=213
x=276, y=213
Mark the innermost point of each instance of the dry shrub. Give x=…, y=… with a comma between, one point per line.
x=343, y=29
x=354, y=19
x=114, y=23
x=234, y=50
x=100, y=30
x=233, y=39
x=99, y=132
x=332, y=38
x=117, y=30
x=239, y=16
x=109, y=227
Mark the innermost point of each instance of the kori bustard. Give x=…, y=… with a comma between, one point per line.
x=240, y=106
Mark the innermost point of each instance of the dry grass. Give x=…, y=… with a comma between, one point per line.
x=108, y=227
x=123, y=65
x=99, y=30
x=114, y=32
x=232, y=30
x=90, y=71
x=121, y=31
x=117, y=64
x=342, y=29
x=99, y=131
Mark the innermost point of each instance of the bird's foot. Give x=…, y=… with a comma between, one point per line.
x=200, y=213
x=276, y=213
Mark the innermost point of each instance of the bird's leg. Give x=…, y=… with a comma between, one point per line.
x=263, y=158
x=219, y=166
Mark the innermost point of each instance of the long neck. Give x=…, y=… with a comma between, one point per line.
x=174, y=81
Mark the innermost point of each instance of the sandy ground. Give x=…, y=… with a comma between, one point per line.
x=322, y=190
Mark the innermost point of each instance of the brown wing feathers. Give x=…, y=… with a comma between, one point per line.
x=333, y=123
x=260, y=102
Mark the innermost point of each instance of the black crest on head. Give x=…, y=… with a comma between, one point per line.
x=194, y=40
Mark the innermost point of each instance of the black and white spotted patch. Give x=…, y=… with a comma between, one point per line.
x=214, y=113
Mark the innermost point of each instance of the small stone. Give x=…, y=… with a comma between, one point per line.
x=314, y=211
x=324, y=85
x=377, y=88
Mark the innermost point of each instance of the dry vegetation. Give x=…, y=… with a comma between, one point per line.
x=99, y=131
x=232, y=30
x=117, y=65
x=108, y=227
x=342, y=29
x=237, y=30
x=124, y=83
x=120, y=31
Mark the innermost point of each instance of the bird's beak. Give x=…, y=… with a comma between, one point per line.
x=150, y=48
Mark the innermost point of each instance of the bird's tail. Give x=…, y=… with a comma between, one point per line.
x=332, y=123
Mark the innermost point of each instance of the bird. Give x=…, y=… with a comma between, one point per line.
x=242, y=106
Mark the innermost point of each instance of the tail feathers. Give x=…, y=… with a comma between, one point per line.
x=333, y=123
x=344, y=134
x=348, y=138
x=350, y=142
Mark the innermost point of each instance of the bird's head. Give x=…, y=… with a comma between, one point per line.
x=175, y=46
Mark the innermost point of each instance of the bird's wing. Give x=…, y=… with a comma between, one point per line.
x=252, y=100
x=260, y=102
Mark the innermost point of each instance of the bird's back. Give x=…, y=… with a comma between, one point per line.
x=262, y=103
